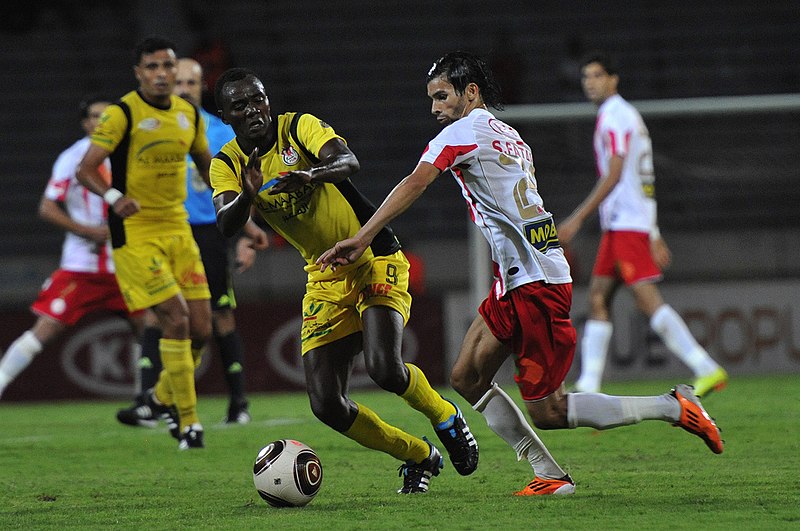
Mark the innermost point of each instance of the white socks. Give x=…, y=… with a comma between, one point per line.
x=599, y=411
x=594, y=347
x=18, y=356
x=506, y=420
x=676, y=335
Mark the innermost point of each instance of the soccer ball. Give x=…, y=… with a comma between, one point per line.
x=287, y=473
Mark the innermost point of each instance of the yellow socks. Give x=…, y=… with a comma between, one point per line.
x=163, y=390
x=176, y=356
x=369, y=430
x=197, y=355
x=421, y=396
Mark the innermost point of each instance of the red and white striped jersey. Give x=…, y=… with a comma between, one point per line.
x=621, y=131
x=494, y=168
x=80, y=254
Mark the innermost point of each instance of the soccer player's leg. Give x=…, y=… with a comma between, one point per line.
x=487, y=344
x=384, y=305
x=327, y=368
x=190, y=273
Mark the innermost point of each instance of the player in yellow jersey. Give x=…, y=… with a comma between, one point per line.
x=147, y=135
x=295, y=171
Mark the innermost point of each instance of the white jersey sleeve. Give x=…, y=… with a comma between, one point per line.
x=80, y=254
x=494, y=168
x=621, y=131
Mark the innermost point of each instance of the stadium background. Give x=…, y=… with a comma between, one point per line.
x=727, y=183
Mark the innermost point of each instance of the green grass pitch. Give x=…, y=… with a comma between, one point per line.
x=70, y=465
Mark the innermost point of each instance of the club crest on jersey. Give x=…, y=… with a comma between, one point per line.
x=183, y=121
x=290, y=156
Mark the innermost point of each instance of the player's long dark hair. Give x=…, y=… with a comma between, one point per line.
x=462, y=68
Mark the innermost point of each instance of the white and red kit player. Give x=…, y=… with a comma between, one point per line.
x=527, y=312
x=84, y=282
x=631, y=249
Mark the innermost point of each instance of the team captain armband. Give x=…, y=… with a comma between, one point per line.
x=112, y=196
x=542, y=234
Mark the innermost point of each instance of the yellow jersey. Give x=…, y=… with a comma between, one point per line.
x=148, y=146
x=315, y=217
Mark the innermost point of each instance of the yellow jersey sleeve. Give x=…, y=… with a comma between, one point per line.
x=313, y=133
x=225, y=172
x=112, y=127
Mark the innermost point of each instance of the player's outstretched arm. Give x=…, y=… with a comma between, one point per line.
x=233, y=210
x=399, y=199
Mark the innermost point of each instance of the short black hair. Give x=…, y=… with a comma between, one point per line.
x=602, y=58
x=150, y=44
x=228, y=76
x=462, y=68
x=88, y=101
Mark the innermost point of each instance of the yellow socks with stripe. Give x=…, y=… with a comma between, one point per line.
x=176, y=356
x=369, y=430
x=421, y=396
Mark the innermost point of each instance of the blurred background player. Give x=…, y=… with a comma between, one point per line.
x=632, y=251
x=526, y=314
x=147, y=135
x=84, y=282
x=215, y=253
x=296, y=171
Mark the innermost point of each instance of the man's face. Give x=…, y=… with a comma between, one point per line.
x=245, y=107
x=447, y=106
x=598, y=85
x=93, y=115
x=156, y=73
x=189, y=81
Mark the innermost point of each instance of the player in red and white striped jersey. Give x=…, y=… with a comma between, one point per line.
x=527, y=313
x=85, y=281
x=632, y=250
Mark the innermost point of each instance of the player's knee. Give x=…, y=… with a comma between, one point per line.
x=389, y=376
x=331, y=411
x=468, y=383
x=201, y=331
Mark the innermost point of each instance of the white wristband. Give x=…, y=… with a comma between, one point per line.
x=654, y=233
x=112, y=196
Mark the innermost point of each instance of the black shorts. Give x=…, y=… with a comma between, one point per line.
x=215, y=252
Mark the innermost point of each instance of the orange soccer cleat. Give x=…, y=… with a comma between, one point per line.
x=694, y=418
x=543, y=487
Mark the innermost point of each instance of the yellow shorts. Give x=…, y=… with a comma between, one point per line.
x=154, y=270
x=332, y=308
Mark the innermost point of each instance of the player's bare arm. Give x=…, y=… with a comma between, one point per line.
x=398, y=201
x=568, y=228
x=233, y=210
x=89, y=176
x=54, y=213
x=336, y=164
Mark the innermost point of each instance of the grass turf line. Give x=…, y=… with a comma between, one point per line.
x=70, y=464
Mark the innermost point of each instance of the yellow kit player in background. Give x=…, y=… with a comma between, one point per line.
x=147, y=136
x=294, y=169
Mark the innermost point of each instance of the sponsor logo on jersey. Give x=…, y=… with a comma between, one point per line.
x=542, y=234
x=149, y=124
x=290, y=156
